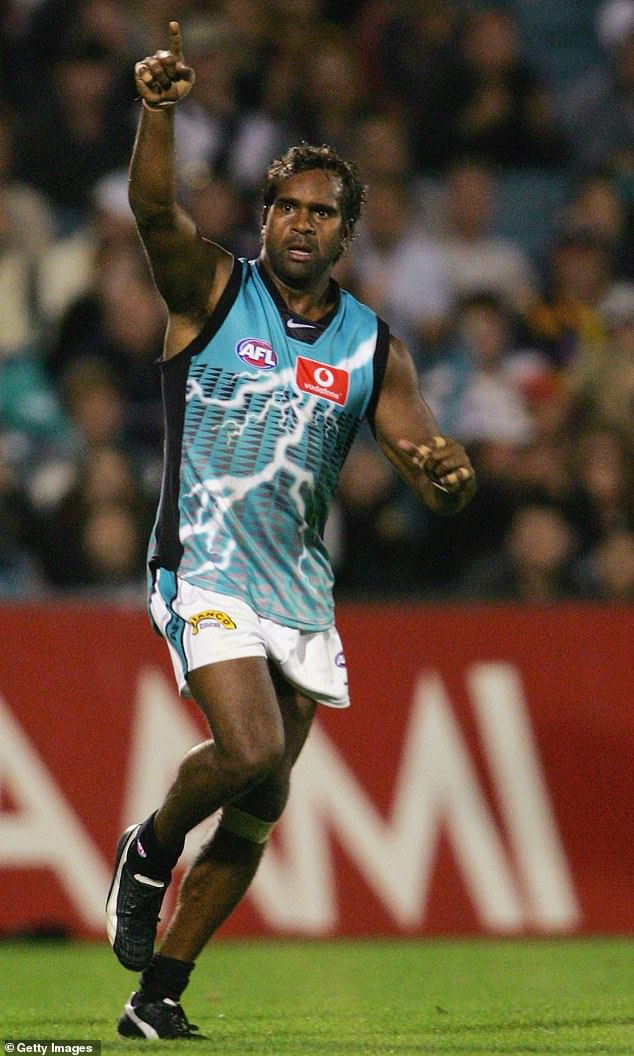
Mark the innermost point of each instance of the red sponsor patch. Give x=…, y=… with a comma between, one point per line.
x=320, y=379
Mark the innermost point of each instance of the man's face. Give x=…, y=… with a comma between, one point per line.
x=304, y=230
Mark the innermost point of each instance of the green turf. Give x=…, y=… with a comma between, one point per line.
x=336, y=999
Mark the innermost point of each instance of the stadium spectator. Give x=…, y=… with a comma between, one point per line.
x=601, y=466
x=542, y=465
x=600, y=207
x=118, y=321
x=33, y=425
x=503, y=113
x=477, y=389
x=333, y=96
x=215, y=130
x=94, y=403
x=485, y=387
x=85, y=115
x=473, y=256
x=27, y=229
x=20, y=574
x=377, y=528
x=71, y=265
x=607, y=572
x=106, y=479
x=415, y=47
x=397, y=271
x=112, y=547
x=566, y=317
x=296, y=25
x=598, y=109
x=534, y=564
x=219, y=211
x=380, y=146
x=601, y=381
x=254, y=25
x=109, y=23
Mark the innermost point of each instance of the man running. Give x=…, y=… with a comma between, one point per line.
x=268, y=369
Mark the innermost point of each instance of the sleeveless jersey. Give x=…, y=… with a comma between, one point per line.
x=260, y=412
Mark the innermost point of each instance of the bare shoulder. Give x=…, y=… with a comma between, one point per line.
x=398, y=350
x=400, y=380
x=220, y=263
x=188, y=314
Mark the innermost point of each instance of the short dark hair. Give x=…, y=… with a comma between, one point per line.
x=304, y=158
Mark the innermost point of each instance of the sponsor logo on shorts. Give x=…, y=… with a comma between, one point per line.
x=340, y=660
x=319, y=379
x=256, y=353
x=214, y=617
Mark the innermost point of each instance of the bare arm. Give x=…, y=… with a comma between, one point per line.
x=190, y=272
x=436, y=467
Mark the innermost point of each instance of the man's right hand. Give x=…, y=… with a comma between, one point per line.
x=163, y=79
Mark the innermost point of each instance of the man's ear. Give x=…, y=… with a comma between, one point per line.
x=346, y=237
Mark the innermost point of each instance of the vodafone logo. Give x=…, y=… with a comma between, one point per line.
x=256, y=353
x=331, y=383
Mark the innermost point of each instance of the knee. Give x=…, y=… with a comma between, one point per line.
x=244, y=761
x=268, y=798
x=253, y=759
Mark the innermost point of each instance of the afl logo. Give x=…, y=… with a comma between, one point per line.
x=256, y=353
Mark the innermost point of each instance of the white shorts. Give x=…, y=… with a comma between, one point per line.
x=203, y=627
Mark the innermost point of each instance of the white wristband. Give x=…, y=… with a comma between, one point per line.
x=159, y=106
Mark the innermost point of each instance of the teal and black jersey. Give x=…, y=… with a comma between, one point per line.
x=260, y=412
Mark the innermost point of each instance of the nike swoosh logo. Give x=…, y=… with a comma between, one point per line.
x=292, y=325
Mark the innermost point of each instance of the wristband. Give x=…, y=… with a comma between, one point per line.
x=158, y=106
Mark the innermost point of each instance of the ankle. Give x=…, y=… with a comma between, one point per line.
x=164, y=977
x=146, y=855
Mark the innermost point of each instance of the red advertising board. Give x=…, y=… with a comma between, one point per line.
x=481, y=783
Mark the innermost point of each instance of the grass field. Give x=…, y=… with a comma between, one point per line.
x=307, y=999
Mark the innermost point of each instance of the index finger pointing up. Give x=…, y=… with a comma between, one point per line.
x=176, y=46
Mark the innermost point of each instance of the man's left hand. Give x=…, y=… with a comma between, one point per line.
x=444, y=462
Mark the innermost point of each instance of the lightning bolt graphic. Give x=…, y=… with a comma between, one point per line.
x=216, y=496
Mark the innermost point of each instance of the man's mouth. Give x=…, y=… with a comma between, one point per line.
x=297, y=251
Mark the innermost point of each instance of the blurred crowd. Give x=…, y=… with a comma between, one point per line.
x=497, y=142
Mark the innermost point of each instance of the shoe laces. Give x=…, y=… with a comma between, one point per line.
x=180, y=1022
x=172, y=1018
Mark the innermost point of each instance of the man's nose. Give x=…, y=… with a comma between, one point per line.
x=303, y=220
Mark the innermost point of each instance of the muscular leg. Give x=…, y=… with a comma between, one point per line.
x=226, y=865
x=259, y=730
x=241, y=707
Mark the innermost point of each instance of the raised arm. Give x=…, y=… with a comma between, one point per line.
x=190, y=272
x=436, y=467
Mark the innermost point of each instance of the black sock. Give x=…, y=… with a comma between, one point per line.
x=164, y=977
x=147, y=856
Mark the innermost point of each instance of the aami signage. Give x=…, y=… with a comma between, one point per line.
x=451, y=798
